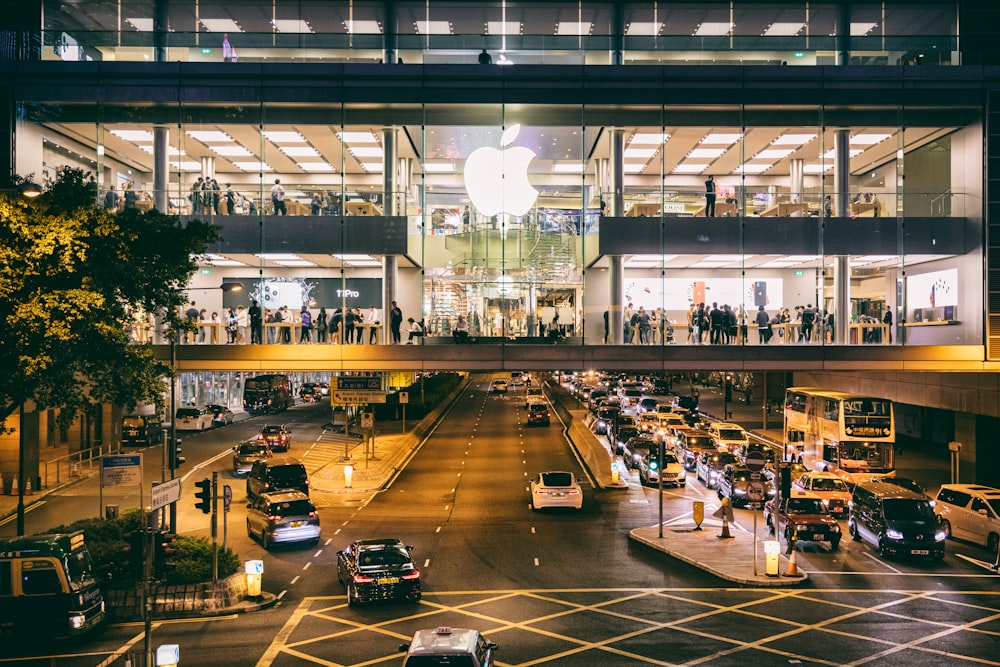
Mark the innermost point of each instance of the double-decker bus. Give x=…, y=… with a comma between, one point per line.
x=267, y=393
x=47, y=587
x=849, y=435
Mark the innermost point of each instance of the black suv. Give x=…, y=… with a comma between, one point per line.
x=278, y=473
x=141, y=430
x=373, y=570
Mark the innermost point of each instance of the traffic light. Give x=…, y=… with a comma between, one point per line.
x=174, y=454
x=786, y=481
x=136, y=552
x=163, y=549
x=204, y=496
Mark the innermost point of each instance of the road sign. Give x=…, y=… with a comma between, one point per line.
x=121, y=470
x=756, y=461
x=359, y=383
x=755, y=491
x=165, y=493
x=353, y=397
x=404, y=397
x=367, y=420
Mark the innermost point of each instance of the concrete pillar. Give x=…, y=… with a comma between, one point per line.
x=842, y=173
x=841, y=300
x=161, y=9
x=208, y=167
x=616, y=293
x=390, y=52
x=796, y=180
x=843, y=33
x=161, y=168
x=531, y=307
x=616, y=172
x=389, y=170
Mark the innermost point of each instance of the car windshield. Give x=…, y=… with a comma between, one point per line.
x=383, y=557
x=291, y=508
x=908, y=510
x=697, y=441
x=668, y=459
x=731, y=434
x=188, y=412
x=287, y=477
x=719, y=460
x=557, y=479
x=627, y=433
x=271, y=430
x=805, y=506
x=829, y=484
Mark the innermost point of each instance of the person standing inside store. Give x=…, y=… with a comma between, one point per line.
x=710, y=197
x=278, y=198
x=230, y=201
x=395, y=322
x=887, y=321
x=485, y=58
x=763, y=325
x=255, y=322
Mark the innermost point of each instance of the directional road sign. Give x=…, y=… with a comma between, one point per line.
x=165, y=493
x=354, y=397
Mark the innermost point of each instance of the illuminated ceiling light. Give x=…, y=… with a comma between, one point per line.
x=299, y=151
x=283, y=137
x=171, y=150
x=869, y=139
x=706, y=153
x=439, y=167
x=142, y=25
x=365, y=151
x=773, y=154
x=363, y=27
x=432, y=27
x=277, y=256
x=727, y=258
x=708, y=265
x=720, y=139
x=862, y=29
x=292, y=263
x=752, y=168
x=252, y=166
x=220, y=260
x=817, y=168
x=688, y=168
x=221, y=25
x=292, y=26
x=644, y=29
x=186, y=165
x=793, y=139
x=713, y=29
x=783, y=29
x=206, y=136
x=503, y=27
x=133, y=135
x=640, y=153
x=231, y=151
x=375, y=167
x=573, y=28
x=570, y=167
x=634, y=168
x=776, y=264
x=357, y=137
x=648, y=139
x=315, y=166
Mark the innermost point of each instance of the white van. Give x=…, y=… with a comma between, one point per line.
x=970, y=512
x=730, y=436
x=193, y=419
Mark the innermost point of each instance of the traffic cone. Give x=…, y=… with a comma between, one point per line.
x=792, y=570
x=27, y=487
x=13, y=487
x=725, y=530
x=74, y=470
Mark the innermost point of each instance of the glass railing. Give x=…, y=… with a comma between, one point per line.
x=136, y=46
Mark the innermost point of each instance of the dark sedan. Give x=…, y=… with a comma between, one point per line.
x=221, y=415
x=376, y=570
x=277, y=437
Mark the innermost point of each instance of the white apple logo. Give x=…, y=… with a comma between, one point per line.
x=497, y=180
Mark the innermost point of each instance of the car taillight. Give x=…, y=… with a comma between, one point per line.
x=274, y=518
x=314, y=513
x=362, y=579
x=411, y=576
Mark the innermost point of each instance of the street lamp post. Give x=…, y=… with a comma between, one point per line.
x=20, y=471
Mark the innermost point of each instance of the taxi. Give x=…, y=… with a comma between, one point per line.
x=449, y=646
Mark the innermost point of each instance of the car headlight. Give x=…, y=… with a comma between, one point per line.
x=682, y=474
x=940, y=535
x=893, y=534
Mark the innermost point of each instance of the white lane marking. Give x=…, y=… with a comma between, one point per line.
x=438, y=529
x=427, y=562
x=447, y=507
x=294, y=580
x=306, y=566
x=882, y=562
x=536, y=562
x=336, y=532
x=316, y=555
x=282, y=594
x=532, y=530
x=327, y=543
x=125, y=648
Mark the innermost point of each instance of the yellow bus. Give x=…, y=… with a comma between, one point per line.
x=850, y=435
x=47, y=587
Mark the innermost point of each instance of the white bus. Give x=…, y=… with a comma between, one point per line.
x=846, y=434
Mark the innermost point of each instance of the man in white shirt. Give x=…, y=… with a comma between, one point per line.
x=278, y=198
x=373, y=318
x=242, y=319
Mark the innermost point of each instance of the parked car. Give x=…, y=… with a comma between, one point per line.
x=277, y=437
x=247, y=453
x=378, y=570
x=538, y=413
x=221, y=415
x=970, y=512
x=556, y=489
x=277, y=473
x=830, y=488
x=804, y=517
x=286, y=516
x=898, y=521
x=673, y=472
x=710, y=466
x=193, y=419
x=142, y=430
x=448, y=646
x=733, y=481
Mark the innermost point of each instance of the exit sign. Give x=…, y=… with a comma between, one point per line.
x=800, y=273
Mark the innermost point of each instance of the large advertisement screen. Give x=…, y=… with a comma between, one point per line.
x=680, y=293
x=932, y=290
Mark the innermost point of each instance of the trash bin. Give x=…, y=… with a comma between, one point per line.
x=111, y=512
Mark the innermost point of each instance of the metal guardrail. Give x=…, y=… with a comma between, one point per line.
x=74, y=464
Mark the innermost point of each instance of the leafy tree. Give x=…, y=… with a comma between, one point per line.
x=71, y=275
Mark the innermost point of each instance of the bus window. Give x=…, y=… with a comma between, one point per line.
x=79, y=569
x=6, y=587
x=39, y=578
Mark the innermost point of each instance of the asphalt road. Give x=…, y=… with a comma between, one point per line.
x=552, y=588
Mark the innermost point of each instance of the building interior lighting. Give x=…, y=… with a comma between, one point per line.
x=186, y=165
x=689, y=168
x=221, y=260
x=293, y=263
x=862, y=29
x=283, y=137
x=705, y=153
x=869, y=138
x=221, y=25
x=817, y=168
x=375, y=167
x=783, y=29
x=133, y=135
x=713, y=29
x=793, y=139
x=773, y=154
x=568, y=168
x=299, y=151
x=643, y=28
x=573, y=28
x=357, y=137
x=315, y=166
x=639, y=153
x=277, y=256
x=231, y=151
x=363, y=27
x=141, y=24
x=752, y=168
x=720, y=139
x=634, y=168
x=648, y=139
x=503, y=27
x=292, y=26
x=210, y=136
x=365, y=151
x=439, y=167
x=171, y=150
x=253, y=166
x=432, y=27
